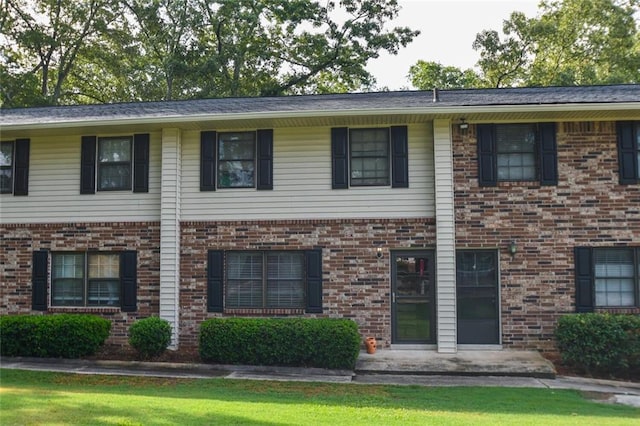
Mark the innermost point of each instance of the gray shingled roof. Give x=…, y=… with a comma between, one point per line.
x=406, y=100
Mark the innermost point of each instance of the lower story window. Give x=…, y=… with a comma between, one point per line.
x=85, y=279
x=265, y=279
x=616, y=276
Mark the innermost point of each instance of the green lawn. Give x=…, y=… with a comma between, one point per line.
x=28, y=397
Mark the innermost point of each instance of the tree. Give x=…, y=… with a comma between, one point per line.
x=430, y=75
x=571, y=42
x=41, y=42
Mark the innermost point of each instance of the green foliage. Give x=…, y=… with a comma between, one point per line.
x=600, y=343
x=114, y=50
x=309, y=342
x=150, y=336
x=429, y=75
x=52, y=336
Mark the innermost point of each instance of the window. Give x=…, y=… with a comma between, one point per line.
x=629, y=151
x=236, y=160
x=370, y=157
x=607, y=277
x=114, y=163
x=369, y=153
x=6, y=167
x=14, y=167
x=265, y=280
x=517, y=152
x=85, y=279
x=616, y=277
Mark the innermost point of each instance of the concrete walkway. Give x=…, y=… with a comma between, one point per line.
x=418, y=370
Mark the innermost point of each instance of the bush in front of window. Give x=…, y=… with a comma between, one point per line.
x=150, y=337
x=600, y=343
x=299, y=342
x=52, y=336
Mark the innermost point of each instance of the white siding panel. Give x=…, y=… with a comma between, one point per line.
x=302, y=183
x=445, y=238
x=54, y=189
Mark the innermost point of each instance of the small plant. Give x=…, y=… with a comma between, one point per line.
x=52, y=336
x=600, y=343
x=150, y=337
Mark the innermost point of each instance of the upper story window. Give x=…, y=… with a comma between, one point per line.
x=85, y=279
x=516, y=148
x=6, y=167
x=14, y=167
x=369, y=154
x=370, y=157
x=114, y=163
x=629, y=151
x=607, y=277
x=236, y=160
x=517, y=152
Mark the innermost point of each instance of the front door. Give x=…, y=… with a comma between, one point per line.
x=413, y=297
x=477, y=296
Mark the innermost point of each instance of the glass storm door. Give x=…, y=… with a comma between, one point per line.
x=477, y=297
x=413, y=297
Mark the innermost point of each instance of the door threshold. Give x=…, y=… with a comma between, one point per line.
x=464, y=347
x=413, y=347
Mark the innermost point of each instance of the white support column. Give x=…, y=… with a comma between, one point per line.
x=170, y=231
x=445, y=237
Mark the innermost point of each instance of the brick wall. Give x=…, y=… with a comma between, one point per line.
x=19, y=241
x=356, y=284
x=587, y=208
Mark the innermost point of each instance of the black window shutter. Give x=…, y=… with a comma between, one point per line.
x=141, y=162
x=400, y=157
x=487, y=155
x=265, y=159
x=21, y=178
x=129, y=281
x=88, y=165
x=208, y=161
x=215, y=279
x=627, y=158
x=39, y=275
x=314, y=281
x=584, y=279
x=548, y=154
x=339, y=158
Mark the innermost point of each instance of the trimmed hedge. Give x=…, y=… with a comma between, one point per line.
x=150, y=337
x=302, y=342
x=52, y=336
x=600, y=342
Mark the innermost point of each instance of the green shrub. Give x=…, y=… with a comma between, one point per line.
x=52, y=336
x=150, y=337
x=303, y=342
x=600, y=343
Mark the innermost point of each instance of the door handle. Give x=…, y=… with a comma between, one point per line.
x=393, y=297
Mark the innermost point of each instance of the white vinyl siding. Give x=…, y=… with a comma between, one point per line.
x=302, y=183
x=54, y=188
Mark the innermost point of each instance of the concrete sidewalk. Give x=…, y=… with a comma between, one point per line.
x=616, y=391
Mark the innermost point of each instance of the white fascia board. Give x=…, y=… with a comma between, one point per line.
x=431, y=110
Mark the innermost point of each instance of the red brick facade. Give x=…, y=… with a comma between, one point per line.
x=588, y=207
x=19, y=242
x=356, y=284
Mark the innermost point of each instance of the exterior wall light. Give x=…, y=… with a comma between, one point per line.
x=379, y=252
x=513, y=248
x=463, y=126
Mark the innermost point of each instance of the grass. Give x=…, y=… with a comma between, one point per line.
x=28, y=397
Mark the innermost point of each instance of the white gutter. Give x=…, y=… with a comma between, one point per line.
x=431, y=110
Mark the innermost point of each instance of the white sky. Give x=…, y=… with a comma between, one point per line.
x=448, y=29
